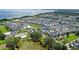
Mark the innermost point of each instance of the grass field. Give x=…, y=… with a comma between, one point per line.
x=70, y=38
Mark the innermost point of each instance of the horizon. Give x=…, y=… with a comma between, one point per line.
x=15, y=13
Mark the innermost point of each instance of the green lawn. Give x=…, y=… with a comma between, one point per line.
x=3, y=29
x=70, y=38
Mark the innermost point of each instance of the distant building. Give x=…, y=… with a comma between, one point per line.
x=7, y=33
x=13, y=26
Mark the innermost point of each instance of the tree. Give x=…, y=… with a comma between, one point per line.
x=7, y=27
x=64, y=47
x=11, y=43
x=67, y=34
x=77, y=34
x=48, y=42
x=52, y=44
x=35, y=36
x=2, y=36
x=4, y=19
x=57, y=46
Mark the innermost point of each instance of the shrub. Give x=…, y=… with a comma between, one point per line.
x=2, y=36
x=11, y=43
x=36, y=36
x=52, y=44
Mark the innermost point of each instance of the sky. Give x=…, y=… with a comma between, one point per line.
x=13, y=13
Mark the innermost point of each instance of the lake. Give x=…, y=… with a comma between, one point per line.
x=15, y=13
